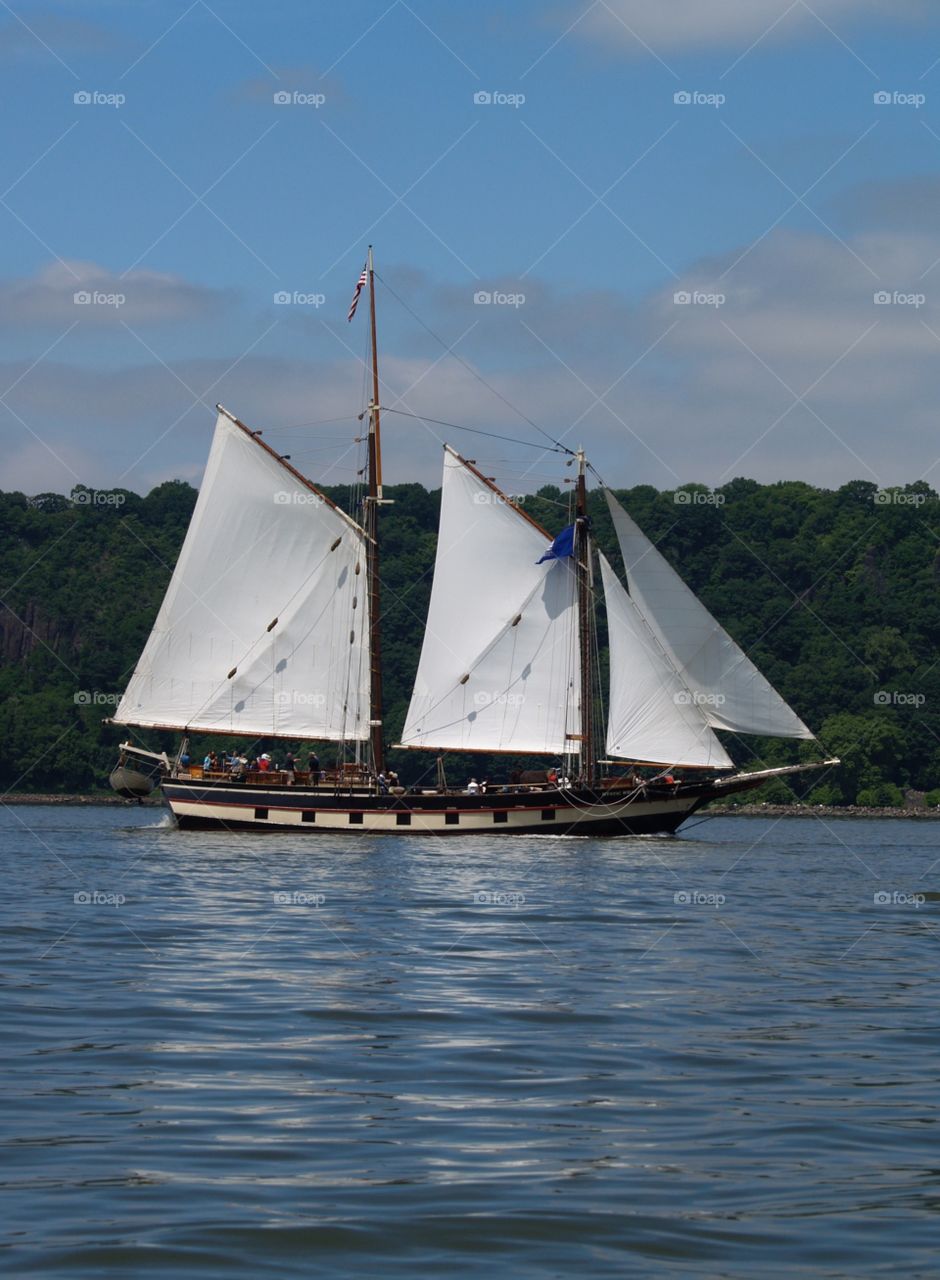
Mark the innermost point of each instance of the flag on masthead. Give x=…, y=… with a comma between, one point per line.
x=359, y=288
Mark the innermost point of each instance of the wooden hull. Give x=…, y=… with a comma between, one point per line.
x=234, y=806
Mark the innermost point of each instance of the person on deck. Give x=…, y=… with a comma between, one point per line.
x=289, y=765
x=473, y=787
x=313, y=764
x=264, y=763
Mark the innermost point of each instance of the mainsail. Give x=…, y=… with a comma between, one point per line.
x=499, y=668
x=731, y=691
x=264, y=627
x=653, y=716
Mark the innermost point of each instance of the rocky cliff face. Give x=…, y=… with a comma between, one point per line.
x=21, y=633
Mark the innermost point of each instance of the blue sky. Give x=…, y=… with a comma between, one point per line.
x=781, y=199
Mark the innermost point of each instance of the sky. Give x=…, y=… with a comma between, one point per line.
x=701, y=238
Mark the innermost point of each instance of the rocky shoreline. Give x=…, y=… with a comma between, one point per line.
x=814, y=811
x=30, y=797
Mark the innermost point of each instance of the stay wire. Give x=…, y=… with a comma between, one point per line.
x=477, y=431
x=479, y=377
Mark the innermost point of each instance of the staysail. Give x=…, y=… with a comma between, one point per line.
x=499, y=668
x=264, y=627
x=731, y=691
x=653, y=716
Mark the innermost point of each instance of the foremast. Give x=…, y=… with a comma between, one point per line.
x=586, y=622
x=371, y=504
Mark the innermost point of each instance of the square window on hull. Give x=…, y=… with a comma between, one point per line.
x=355, y=818
x=451, y=819
x=501, y=817
x=261, y=814
x=308, y=815
x=403, y=819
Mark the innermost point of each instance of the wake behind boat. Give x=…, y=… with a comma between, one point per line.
x=270, y=630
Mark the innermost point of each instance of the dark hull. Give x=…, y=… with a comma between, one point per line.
x=233, y=806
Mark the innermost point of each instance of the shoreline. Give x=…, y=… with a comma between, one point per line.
x=814, y=811
x=731, y=811
x=29, y=797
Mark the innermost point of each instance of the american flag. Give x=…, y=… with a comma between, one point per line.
x=359, y=288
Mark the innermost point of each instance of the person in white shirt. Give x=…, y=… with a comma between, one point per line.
x=473, y=787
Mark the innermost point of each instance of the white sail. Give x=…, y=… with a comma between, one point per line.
x=653, y=716
x=499, y=668
x=261, y=546
x=732, y=692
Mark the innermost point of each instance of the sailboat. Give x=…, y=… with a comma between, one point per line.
x=270, y=630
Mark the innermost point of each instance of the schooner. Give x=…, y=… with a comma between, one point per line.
x=270, y=629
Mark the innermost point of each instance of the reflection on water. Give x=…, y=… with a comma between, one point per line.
x=710, y=1054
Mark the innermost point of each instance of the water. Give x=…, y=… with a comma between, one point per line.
x=292, y=1056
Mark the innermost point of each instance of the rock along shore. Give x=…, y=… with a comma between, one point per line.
x=31, y=797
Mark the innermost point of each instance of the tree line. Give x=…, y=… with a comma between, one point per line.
x=833, y=593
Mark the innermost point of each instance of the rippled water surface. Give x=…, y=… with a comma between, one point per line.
x=705, y=1055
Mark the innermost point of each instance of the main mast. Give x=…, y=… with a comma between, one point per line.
x=372, y=503
x=585, y=621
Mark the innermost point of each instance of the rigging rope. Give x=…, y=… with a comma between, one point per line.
x=477, y=431
x=479, y=377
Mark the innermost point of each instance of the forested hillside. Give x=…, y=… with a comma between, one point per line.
x=835, y=594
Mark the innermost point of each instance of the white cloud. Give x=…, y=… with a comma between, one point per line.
x=65, y=291
x=691, y=24
x=699, y=392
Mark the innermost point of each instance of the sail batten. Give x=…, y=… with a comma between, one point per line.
x=727, y=685
x=653, y=717
x=499, y=667
x=263, y=544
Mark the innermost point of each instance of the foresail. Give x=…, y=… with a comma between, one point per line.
x=652, y=716
x=732, y=692
x=499, y=668
x=270, y=584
